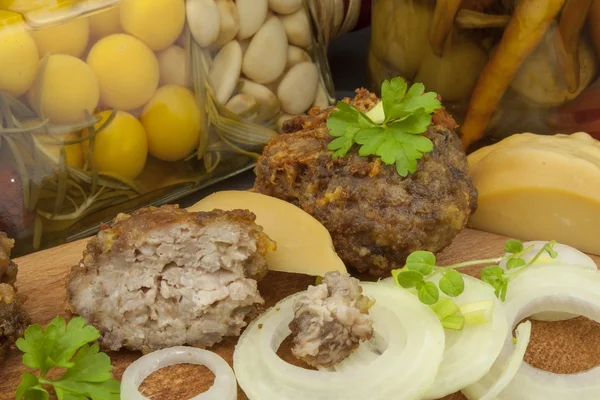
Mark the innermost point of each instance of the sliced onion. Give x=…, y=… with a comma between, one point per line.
x=555, y=287
x=223, y=388
x=366, y=353
x=566, y=255
x=414, y=344
x=470, y=352
x=505, y=368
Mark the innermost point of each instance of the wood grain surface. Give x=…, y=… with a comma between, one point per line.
x=562, y=347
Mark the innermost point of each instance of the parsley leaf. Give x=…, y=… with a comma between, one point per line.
x=87, y=371
x=31, y=386
x=416, y=99
x=392, y=94
x=396, y=137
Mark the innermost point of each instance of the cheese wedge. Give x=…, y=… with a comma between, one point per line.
x=538, y=187
x=304, y=246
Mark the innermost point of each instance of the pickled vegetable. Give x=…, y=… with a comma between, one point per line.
x=18, y=53
x=543, y=82
x=108, y=105
x=499, y=65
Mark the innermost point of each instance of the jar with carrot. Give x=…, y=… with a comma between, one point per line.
x=501, y=66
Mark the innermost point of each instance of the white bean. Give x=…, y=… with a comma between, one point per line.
x=225, y=71
x=253, y=14
x=244, y=43
x=266, y=56
x=298, y=88
x=242, y=103
x=172, y=66
x=269, y=104
x=297, y=28
x=295, y=56
x=321, y=98
x=285, y=6
x=203, y=20
x=229, y=22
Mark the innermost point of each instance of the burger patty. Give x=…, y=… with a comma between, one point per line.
x=375, y=216
x=164, y=277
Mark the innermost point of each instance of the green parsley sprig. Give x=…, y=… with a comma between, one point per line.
x=421, y=266
x=70, y=347
x=392, y=130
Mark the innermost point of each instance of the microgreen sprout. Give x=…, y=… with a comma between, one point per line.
x=421, y=266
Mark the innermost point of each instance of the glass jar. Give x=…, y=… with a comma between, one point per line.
x=110, y=105
x=500, y=66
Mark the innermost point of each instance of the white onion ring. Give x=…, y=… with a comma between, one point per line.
x=470, y=352
x=565, y=255
x=540, y=288
x=404, y=371
x=224, y=387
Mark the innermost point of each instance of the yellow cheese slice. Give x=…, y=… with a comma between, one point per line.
x=538, y=187
x=304, y=246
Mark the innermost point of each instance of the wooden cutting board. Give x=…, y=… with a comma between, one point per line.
x=562, y=347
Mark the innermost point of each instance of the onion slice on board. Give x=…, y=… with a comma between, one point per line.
x=565, y=255
x=503, y=374
x=224, y=387
x=540, y=288
x=414, y=344
x=470, y=352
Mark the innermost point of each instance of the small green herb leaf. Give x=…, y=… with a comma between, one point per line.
x=408, y=279
x=452, y=283
x=37, y=345
x=513, y=263
x=495, y=277
x=421, y=261
x=397, y=139
x=392, y=94
x=501, y=293
x=416, y=99
x=86, y=371
x=30, y=388
x=344, y=125
x=513, y=246
x=71, y=338
x=429, y=293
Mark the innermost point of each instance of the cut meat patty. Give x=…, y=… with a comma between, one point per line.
x=164, y=277
x=330, y=321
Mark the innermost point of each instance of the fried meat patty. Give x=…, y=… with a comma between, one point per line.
x=375, y=216
x=164, y=277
